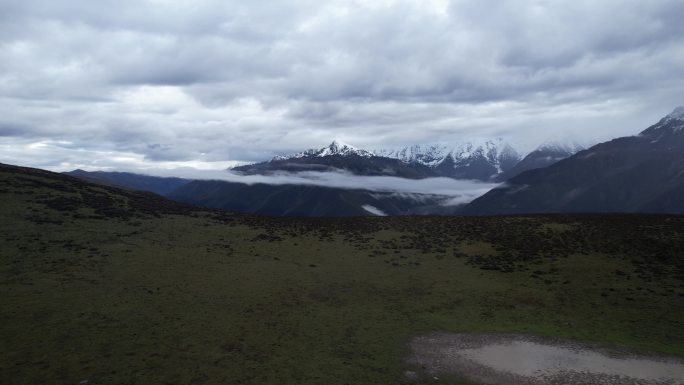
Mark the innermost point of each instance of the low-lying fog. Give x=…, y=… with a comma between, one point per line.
x=455, y=191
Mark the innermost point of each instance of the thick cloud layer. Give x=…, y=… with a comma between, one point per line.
x=161, y=83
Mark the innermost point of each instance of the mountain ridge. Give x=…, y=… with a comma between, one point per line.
x=470, y=160
x=640, y=173
x=335, y=148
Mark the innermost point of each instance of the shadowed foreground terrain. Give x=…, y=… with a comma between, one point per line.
x=120, y=287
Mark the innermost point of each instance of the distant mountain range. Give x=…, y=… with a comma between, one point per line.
x=485, y=161
x=481, y=161
x=488, y=160
x=643, y=173
x=339, y=157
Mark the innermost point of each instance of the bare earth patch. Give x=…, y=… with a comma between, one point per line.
x=519, y=359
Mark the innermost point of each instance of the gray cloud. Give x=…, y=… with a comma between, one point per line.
x=215, y=81
x=9, y=129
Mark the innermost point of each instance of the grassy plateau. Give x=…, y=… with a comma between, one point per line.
x=112, y=286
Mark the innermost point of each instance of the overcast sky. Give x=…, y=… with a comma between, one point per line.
x=206, y=83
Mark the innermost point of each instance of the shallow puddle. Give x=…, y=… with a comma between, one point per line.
x=533, y=359
x=523, y=359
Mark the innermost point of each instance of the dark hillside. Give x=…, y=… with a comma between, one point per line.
x=302, y=200
x=157, y=185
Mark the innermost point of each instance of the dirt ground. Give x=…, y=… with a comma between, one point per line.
x=519, y=359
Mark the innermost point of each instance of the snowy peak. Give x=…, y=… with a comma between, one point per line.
x=481, y=159
x=340, y=148
x=671, y=124
x=334, y=148
x=495, y=152
x=428, y=155
x=338, y=157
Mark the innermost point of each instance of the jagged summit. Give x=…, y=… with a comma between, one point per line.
x=335, y=148
x=429, y=155
x=338, y=156
x=433, y=154
x=477, y=159
x=340, y=148
x=481, y=160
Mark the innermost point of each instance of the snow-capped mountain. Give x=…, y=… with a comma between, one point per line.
x=429, y=155
x=482, y=160
x=496, y=151
x=339, y=156
x=335, y=148
x=671, y=124
x=545, y=155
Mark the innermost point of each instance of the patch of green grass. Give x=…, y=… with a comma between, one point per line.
x=116, y=287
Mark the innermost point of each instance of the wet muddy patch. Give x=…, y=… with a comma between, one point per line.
x=518, y=359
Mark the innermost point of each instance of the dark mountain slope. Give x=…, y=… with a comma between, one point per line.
x=643, y=173
x=84, y=199
x=302, y=200
x=157, y=185
x=275, y=200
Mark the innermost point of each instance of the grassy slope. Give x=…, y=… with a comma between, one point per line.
x=119, y=287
